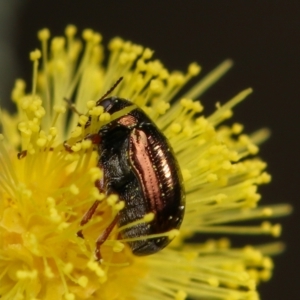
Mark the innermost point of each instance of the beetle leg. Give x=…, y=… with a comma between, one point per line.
x=103, y=237
x=22, y=154
x=67, y=147
x=94, y=138
x=89, y=214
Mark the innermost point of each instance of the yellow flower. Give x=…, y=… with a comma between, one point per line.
x=45, y=188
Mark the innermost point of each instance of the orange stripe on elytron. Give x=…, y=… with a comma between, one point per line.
x=143, y=166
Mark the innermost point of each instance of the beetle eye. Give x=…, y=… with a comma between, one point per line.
x=107, y=104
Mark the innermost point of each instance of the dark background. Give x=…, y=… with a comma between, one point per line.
x=262, y=37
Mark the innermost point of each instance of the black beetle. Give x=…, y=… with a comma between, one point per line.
x=140, y=167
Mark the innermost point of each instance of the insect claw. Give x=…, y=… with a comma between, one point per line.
x=80, y=234
x=22, y=154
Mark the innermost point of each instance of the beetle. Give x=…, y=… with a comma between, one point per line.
x=140, y=167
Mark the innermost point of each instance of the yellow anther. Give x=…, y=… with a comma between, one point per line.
x=176, y=127
x=50, y=201
x=48, y=272
x=95, y=174
x=268, y=212
x=163, y=74
x=105, y=117
x=76, y=132
x=60, y=109
x=91, y=104
x=233, y=156
x=92, y=265
x=194, y=69
x=97, y=111
x=202, y=122
x=119, y=206
x=70, y=30
x=237, y=128
x=63, y=226
x=276, y=230
x=265, y=275
x=154, y=67
x=86, y=144
x=35, y=55
x=176, y=78
x=226, y=165
x=99, y=272
x=116, y=44
x=44, y=34
x=118, y=246
x=244, y=139
x=227, y=114
x=147, y=54
x=187, y=131
x=137, y=49
x=124, y=58
x=127, y=46
x=83, y=281
x=40, y=112
x=76, y=147
x=253, y=149
x=41, y=142
x=251, y=285
x=112, y=199
x=141, y=66
x=224, y=243
x=186, y=103
x=95, y=194
x=213, y=281
x=60, y=66
x=87, y=34
x=69, y=296
x=83, y=119
x=68, y=268
x=180, y=295
x=161, y=107
x=267, y=263
x=173, y=233
x=252, y=295
x=53, y=131
x=57, y=44
x=72, y=157
x=197, y=107
x=97, y=38
x=74, y=189
x=264, y=178
x=156, y=86
x=212, y=177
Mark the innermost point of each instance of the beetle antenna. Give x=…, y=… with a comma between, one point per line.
x=111, y=89
x=72, y=107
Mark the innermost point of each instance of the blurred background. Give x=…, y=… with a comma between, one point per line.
x=262, y=37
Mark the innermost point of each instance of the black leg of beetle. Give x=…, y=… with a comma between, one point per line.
x=22, y=154
x=67, y=147
x=94, y=138
x=103, y=237
x=89, y=214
